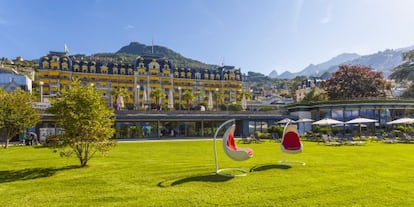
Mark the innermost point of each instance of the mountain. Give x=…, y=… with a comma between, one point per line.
x=322, y=67
x=273, y=74
x=136, y=49
x=287, y=75
x=383, y=61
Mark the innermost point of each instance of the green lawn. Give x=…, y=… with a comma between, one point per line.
x=182, y=174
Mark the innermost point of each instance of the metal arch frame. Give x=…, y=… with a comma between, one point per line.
x=285, y=161
x=220, y=171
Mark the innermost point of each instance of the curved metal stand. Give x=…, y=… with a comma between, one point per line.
x=220, y=171
x=285, y=161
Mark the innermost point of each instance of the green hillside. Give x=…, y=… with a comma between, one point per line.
x=130, y=52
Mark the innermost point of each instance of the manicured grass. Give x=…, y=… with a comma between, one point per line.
x=182, y=174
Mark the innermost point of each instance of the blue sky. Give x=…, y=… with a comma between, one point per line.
x=255, y=35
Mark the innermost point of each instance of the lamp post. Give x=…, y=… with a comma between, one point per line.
x=217, y=98
x=179, y=99
x=41, y=91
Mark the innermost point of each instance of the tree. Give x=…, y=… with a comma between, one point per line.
x=294, y=85
x=355, y=81
x=86, y=121
x=159, y=94
x=118, y=93
x=246, y=95
x=16, y=113
x=409, y=93
x=315, y=95
x=405, y=71
x=199, y=96
x=188, y=96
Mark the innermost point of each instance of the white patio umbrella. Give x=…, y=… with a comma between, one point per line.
x=210, y=101
x=244, y=102
x=327, y=121
x=120, y=102
x=302, y=122
x=404, y=120
x=359, y=121
x=285, y=121
x=170, y=99
x=144, y=99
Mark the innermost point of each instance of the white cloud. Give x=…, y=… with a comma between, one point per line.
x=328, y=16
x=325, y=20
x=297, y=12
x=129, y=27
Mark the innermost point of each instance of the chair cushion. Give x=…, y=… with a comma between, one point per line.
x=291, y=141
x=230, y=142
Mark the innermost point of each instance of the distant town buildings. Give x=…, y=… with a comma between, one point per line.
x=11, y=80
x=306, y=87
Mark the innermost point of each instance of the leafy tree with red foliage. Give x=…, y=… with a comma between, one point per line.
x=355, y=81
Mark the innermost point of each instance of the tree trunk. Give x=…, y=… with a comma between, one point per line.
x=6, y=144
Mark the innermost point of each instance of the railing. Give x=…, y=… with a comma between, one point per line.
x=276, y=112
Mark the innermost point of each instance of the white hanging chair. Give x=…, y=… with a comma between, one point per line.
x=231, y=150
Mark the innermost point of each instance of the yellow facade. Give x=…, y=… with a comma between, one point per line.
x=57, y=70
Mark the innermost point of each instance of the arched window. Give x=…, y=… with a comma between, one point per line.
x=93, y=69
x=64, y=66
x=197, y=75
x=45, y=64
x=76, y=68
x=104, y=69
x=84, y=68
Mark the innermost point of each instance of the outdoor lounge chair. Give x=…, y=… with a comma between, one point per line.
x=390, y=139
x=290, y=143
x=327, y=140
x=231, y=150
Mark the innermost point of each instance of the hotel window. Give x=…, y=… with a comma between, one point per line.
x=154, y=65
x=176, y=74
x=64, y=66
x=54, y=65
x=93, y=69
x=45, y=64
x=114, y=70
x=197, y=75
x=84, y=68
x=122, y=71
x=76, y=68
x=104, y=69
x=188, y=74
x=130, y=71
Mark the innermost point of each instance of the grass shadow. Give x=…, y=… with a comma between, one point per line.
x=199, y=178
x=269, y=167
x=30, y=173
